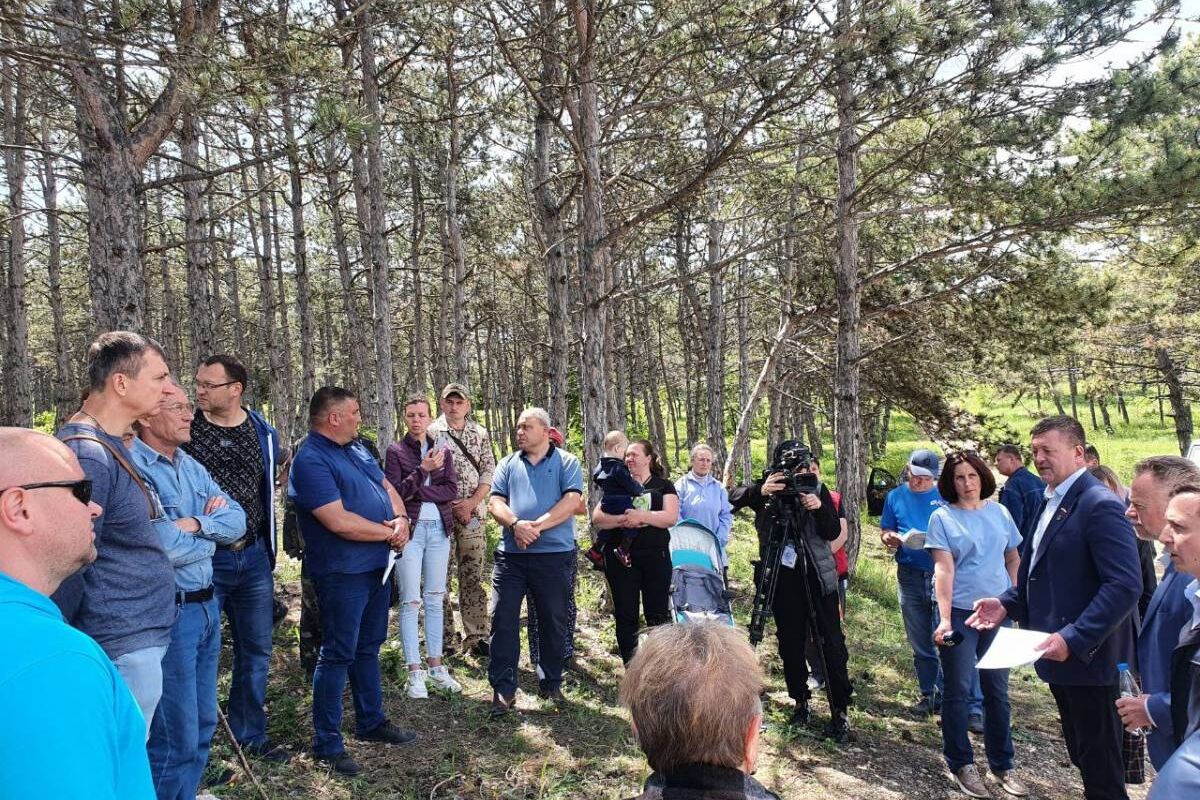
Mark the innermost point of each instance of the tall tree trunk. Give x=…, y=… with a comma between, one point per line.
x=201, y=330
x=848, y=422
x=1122, y=408
x=66, y=395
x=714, y=325
x=355, y=329
x=376, y=227
x=19, y=391
x=743, y=326
x=171, y=336
x=1102, y=401
x=1181, y=409
x=458, y=368
x=113, y=154
x=594, y=250
x=419, y=383
x=308, y=366
x=260, y=233
x=1073, y=385
x=290, y=419
x=741, y=436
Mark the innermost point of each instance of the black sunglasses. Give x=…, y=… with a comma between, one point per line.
x=82, y=489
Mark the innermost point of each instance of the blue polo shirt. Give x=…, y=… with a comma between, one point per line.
x=531, y=490
x=904, y=510
x=71, y=727
x=324, y=471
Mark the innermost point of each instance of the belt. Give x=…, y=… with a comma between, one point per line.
x=198, y=596
x=240, y=544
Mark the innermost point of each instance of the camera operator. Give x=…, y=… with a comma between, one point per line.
x=781, y=497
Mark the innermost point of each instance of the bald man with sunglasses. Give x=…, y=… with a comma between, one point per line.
x=71, y=727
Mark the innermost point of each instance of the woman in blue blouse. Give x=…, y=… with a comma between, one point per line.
x=973, y=542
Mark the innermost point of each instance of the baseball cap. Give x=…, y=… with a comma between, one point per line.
x=555, y=436
x=923, y=463
x=456, y=388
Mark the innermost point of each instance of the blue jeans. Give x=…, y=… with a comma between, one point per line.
x=958, y=667
x=920, y=621
x=354, y=620
x=242, y=580
x=427, y=554
x=547, y=578
x=187, y=714
x=142, y=672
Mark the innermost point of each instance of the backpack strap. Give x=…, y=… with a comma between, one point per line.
x=125, y=465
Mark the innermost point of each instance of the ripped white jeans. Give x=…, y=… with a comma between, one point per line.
x=426, y=556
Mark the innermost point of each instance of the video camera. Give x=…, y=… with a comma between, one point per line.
x=790, y=457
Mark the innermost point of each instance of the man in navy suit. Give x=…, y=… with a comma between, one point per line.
x=1181, y=537
x=1079, y=580
x=1154, y=479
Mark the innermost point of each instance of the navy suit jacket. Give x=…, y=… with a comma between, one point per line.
x=1084, y=586
x=1168, y=613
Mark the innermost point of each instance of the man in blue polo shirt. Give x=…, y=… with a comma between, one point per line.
x=1022, y=491
x=534, y=495
x=198, y=516
x=71, y=726
x=351, y=519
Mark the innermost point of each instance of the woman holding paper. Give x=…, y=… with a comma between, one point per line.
x=422, y=471
x=973, y=542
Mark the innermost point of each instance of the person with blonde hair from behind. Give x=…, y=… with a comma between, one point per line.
x=693, y=697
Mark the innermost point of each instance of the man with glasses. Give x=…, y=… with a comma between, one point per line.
x=125, y=600
x=199, y=517
x=240, y=450
x=54, y=680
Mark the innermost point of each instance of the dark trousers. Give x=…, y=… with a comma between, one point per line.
x=1093, y=732
x=310, y=622
x=647, y=579
x=959, y=673
x=791, y=610
x=531, y=622
x=246, y=591
x=546, y=577
x=354, y=618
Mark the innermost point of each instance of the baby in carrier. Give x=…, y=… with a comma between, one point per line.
x=619, y=493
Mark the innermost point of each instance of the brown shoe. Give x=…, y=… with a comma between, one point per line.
x=501, y=704
x=969, y=781
x=1010, y=784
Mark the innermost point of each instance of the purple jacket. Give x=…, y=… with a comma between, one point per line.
x=403, y=470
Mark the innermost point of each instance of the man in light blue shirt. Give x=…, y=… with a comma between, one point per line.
x=703, y=498
x=71, y=726
x=535, y=492
x=198, y=516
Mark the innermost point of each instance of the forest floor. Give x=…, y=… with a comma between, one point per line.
x=587, y=750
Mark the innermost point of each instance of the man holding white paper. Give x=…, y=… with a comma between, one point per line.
x=1080, y=578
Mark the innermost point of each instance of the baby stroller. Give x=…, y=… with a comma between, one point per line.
x=698, y=590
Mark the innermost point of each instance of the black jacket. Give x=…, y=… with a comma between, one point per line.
x=818, y=528
x=704, y=782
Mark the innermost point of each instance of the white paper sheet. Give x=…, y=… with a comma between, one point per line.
x=1012, y=647
x=391, y=563
x=913, y=539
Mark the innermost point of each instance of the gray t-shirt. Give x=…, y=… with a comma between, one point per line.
x=126, y=599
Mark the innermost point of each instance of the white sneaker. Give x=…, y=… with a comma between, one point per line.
x=416, y=684
x=441, y=676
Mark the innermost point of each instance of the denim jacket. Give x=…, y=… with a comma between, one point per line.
x=184, y=488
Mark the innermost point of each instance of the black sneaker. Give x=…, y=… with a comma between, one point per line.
x=800, y=714
x=268, y=751
x=925, y=707
x=342, y=763
x=389, y=734
x=838, y=728
x=975, y=723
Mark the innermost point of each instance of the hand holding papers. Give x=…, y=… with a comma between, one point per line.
x=1013, y=648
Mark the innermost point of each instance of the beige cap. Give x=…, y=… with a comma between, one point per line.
x=456, y=388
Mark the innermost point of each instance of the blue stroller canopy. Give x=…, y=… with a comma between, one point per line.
x=698, y=590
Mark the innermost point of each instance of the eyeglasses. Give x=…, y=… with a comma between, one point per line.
x=178, y=408
x=205, y=386
x=82, y=489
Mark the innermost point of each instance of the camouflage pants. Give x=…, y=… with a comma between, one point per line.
x=310, y=622
x=468, y=548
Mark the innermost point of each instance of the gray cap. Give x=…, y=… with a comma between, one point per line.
x=923, y=463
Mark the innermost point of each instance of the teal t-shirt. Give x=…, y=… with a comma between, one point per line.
x=71, y=727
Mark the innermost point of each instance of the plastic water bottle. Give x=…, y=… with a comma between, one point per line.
x=1129, y=688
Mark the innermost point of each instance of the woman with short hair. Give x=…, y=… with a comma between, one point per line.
x=703, y=498
x=973, y=542
x=693, y=697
